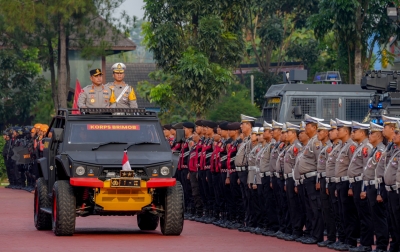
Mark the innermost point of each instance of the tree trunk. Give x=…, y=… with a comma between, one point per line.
x=357, y=65
x=357, y=46
x=52, y=74
x=349, y=62
x=62, y=67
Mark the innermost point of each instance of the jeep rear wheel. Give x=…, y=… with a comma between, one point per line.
x=172, y=221
x=147, y=221
x=42, y=220
x=64, y=212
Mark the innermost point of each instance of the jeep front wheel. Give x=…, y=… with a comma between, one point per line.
x=63, y=214
x=147, y=221
x=42, y=220
x=171, y=222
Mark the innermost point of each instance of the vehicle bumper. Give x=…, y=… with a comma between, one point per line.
x=122, y=198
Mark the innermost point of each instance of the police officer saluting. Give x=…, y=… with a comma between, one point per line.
x=95, y=95
x=122, y=95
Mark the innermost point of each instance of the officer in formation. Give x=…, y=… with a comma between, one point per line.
x=23, y=146
x=115, y=94
x=295, y=181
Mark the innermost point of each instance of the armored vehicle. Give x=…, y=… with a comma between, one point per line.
x=290, y=102
x=81, y=171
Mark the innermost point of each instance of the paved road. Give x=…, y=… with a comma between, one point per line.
x=118, y=234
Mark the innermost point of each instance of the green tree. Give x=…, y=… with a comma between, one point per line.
x=236, y=102
x=262, y=82
x=198, y=43
x=20, y=85
x=354, y=23
x=54, y=26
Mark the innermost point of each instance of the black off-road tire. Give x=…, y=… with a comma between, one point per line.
x=42, y=220
x=172, y=221
x=147, y=221
x=64, y=209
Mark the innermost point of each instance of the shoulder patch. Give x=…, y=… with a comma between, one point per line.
x=365, y=152
x=378, y=156
x=281, y=145
x=352, y=148
x=295, y=151
x=329, y=150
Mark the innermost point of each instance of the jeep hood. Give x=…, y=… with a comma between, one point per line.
x=115, y=158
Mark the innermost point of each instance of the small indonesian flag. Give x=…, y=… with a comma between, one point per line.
x=126, y=166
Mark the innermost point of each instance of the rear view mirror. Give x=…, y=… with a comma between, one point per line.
x=58, y=135
x=297, y=112
x=180, y=135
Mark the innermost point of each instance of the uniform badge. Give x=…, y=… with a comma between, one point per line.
x=91, y=91
x=105, y=91
x=352, y=149
x=295, y=151
x=281, y=145
x=92, y=100
x=317, y=146
x=329, y=150
x=341, y=160
x=365, y=152
x=378, y=155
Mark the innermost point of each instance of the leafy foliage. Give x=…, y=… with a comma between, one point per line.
x=20, y=85
x=196, y=43
x=236, y=102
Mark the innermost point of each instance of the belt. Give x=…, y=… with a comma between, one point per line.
x=207, y=167
x=289, y=175
x=241, y=168
x=266, y=174
x=369, y=182
x=391, y=188
x=342, y=179
x=321, y=174
x=308, y=175
x=330, y=180
x=355, y=179
x=379, y=180
x=252, y=168
x=276, y=174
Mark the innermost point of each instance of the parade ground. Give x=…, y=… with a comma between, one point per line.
x=114, y=233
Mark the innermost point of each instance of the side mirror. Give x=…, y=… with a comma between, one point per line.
x=297, y=112
x=180, y=135
x=58, y=135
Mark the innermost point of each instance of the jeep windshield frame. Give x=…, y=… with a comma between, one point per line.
x=103, y=129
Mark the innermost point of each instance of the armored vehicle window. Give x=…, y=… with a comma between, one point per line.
x=308, y=105
x=330, y=109
x=84, y=133
x=271, y=108
x=356, y=109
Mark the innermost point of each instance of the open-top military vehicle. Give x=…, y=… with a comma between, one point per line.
x=81, y=171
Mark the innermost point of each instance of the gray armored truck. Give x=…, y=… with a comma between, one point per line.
x=81, y=171
x=326, y=98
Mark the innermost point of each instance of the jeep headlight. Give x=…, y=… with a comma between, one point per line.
x=80, y=170
x=164, y=171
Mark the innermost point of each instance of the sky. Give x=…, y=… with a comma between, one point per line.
x=132, y=7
